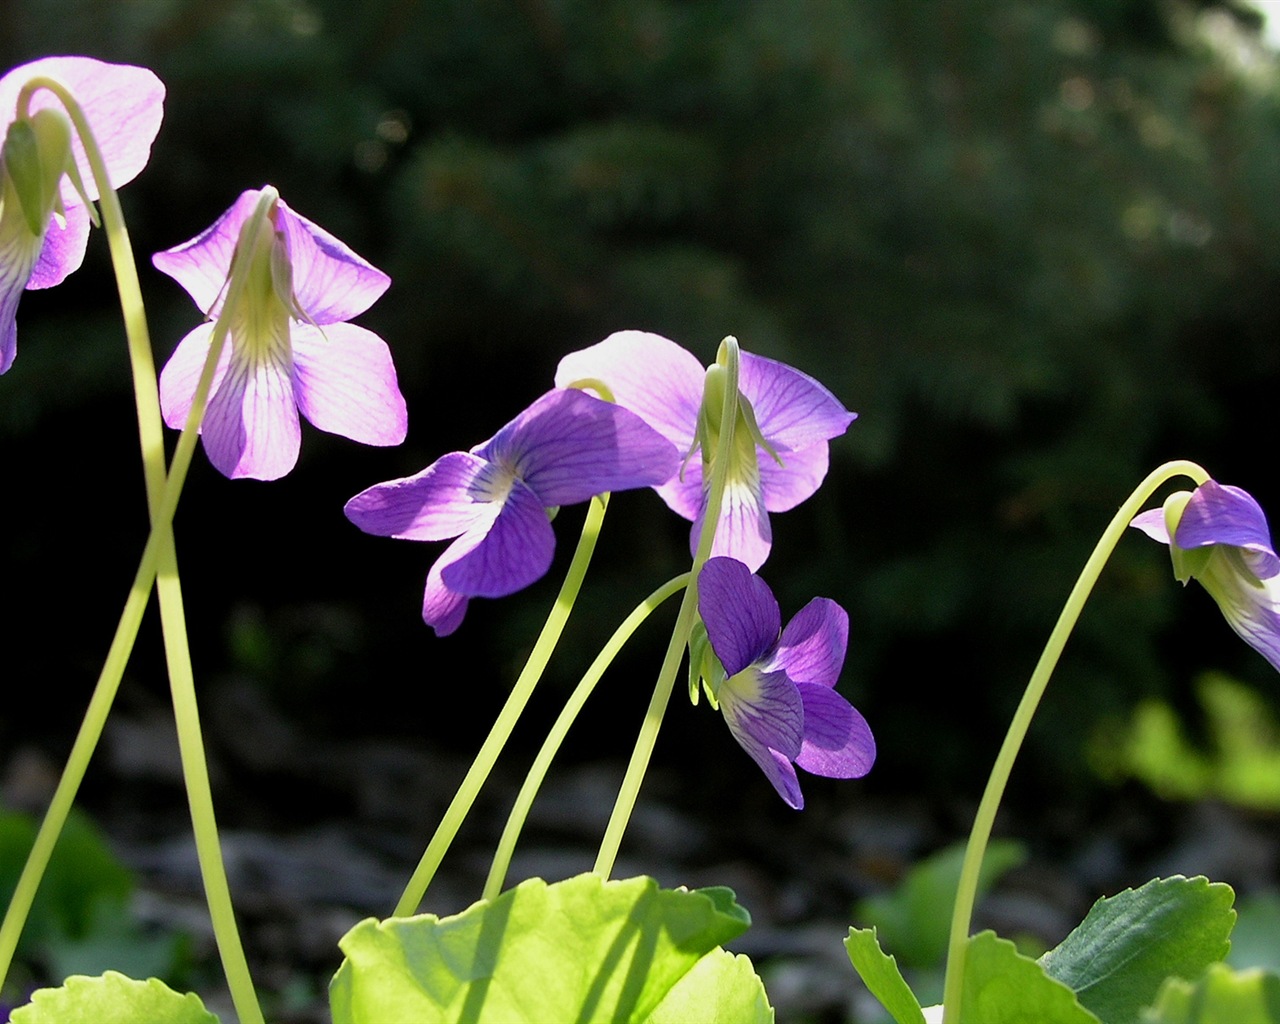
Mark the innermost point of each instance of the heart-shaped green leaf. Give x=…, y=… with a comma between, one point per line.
x=112, y=999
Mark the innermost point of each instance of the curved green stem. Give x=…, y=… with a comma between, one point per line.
x=480, y=768
x=629, y=791
x=551, y=745
x=966, y=893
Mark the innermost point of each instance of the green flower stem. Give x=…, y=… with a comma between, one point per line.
x=648, y=736
x=480, y=768
x=985, y=818
x=161, y=504
x=551, y=746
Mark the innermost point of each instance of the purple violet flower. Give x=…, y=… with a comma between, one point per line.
x=778, y=692
x=565, y=448
x=663, y=384
x=39, y=247
x=290, y=349
x=1220, y=537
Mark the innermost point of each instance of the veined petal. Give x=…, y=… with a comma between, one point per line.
x=792, y=409
x=740, y=613
x=251, y=426
x=800, y=474
x=181, y=374
x=345, y=383
x=1151, y=522
x=446, y=499
x=743, y=531
x=569, y=445
x=765, y=706
x=683, y=491
x=18, y=251
x=813, y=644
x=648, y=374
x=330, y=281
x=778, y=769
x=515, y=551
x=443, y=609
x=1222, y=514
x=837, y=740
x=122, y=103
x=201, y=264
x=63, y=249
x=1251, y=606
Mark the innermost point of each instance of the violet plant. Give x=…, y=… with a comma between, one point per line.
x=725, y=447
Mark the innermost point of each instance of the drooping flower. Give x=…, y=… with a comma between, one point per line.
x=565, y=448
x=290, y=348
x=777, y=691
x=44, y=224
x=795, y=416
x=1220, y=537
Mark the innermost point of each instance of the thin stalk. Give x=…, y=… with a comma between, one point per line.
x=629, y=791
x=980, y=834
x=480, y=768
x=560, y=729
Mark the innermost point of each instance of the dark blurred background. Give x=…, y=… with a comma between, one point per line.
x=1036, y=246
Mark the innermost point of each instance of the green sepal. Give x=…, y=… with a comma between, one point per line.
x=1188, y=563
x=37, y=153
x=698, y=644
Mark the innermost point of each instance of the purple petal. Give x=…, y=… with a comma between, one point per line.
x=802, y=471
x=683, y=491
x=1251, y=606
x=442, y=608
x=446, y=499
x=740, y=613
x=1218, y=514
x=813, y=644
x=837, y=741
x=18, y=251
x=63, y=249
x=648, y=374
x=766, y=707
x=181, y=374
x=331, y=282
x=346, y=384
x=743, y=531
x=516, y=550
x=778, y=770
x=251, y=426
x=1151, y=522
x=792, y=409
x=122, y=103
x=201, y=264
x=568, y=446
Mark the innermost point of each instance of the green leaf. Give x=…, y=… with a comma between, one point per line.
x=879, y=972
x=580, y=950
x=1001, y=986
x=112, y=999
x=1221, y=996
x=721, y=986
x=915, y=919
x=1128, y=944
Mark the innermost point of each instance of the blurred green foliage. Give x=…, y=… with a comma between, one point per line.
x=1035, y=245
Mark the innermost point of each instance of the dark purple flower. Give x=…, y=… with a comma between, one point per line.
x=563, y=449
x=290, y=348
x=778, y=695
x=123, y=105
x=1220, y=537
x=663, y=384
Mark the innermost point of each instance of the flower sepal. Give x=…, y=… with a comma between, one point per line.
x=705, y=671
x=37, y=153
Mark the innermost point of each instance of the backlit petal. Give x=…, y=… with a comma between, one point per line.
x=63, y=249
x=791, y=408
x=800, y=474
x=181, y=374
x=18, y=251
x=442, y=608
x=813, y=644
x=648, y=374
x=516, y=550
x=201, y=264
x=743, y=531
x=251, y=426
x=765, y=706
x=442, y=501
x=837, y=740
x=740, y=613
x=331, y=282
x=345, y=383
x=1218, y=514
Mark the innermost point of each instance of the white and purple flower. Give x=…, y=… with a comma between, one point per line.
x=565, y=448
x=794, y=416
x=44, y=230
x=290, y=348
x=778, y=691
x=1218, y=535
